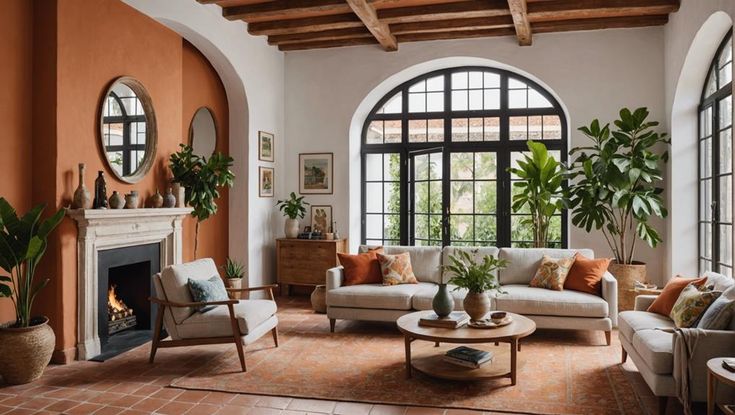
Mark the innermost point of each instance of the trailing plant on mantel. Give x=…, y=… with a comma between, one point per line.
x=202, y=178
x=615, y=182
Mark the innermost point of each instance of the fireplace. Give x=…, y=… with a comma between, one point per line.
x=124, y=285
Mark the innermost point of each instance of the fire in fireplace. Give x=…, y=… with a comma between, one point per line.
x=120, y=316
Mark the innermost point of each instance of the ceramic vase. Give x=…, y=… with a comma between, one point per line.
x=26, y=351
x=117, y=201
x=291, y=228
x=82, y=199
x=131, y=200
x=180, y=195
x=169, y=200
x=319, y=299
x=443, y=303
x=156, y=201
x=100, y=191
x=477, y=305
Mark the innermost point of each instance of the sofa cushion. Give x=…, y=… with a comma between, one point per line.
x=586, y=275
x=664, y=302
x=376, y=296
x=719, y=281
x=630, y=322
x=551, y=273
x=423, y=298
x=216, y=322
x=523, y=299
x=396, y=269
x=691, y=304
x=175, y=278
x=656, y=348
x=523, y=262
x=361, y=268
x=425, y=260
x=477, y=254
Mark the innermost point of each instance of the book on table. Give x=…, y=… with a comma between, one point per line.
x=454, y=320
x=729, y=364
x=468, y=357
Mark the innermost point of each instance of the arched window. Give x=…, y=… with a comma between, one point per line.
x=435, y=153
x=715, y=164
x=123, y=130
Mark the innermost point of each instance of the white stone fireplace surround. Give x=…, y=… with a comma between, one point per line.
x=102, y=229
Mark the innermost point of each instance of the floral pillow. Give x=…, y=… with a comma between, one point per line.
x=552, y=273
x=397, y=269
x=691, y=304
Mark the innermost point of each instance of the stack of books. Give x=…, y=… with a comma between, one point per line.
x=454, y=320
x=729, y=364
x=468, y=357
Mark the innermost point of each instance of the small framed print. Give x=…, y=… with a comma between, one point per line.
x=266, y=181
x=316, y=173
x=265, y=146
x=321, y=218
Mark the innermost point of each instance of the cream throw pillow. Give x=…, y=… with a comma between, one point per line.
x=397, y=269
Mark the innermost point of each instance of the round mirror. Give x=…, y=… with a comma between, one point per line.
x=128, y=129
x=203, y=133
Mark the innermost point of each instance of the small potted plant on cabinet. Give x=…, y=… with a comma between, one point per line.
x=478, y=277
x=26, y=345
x=293, y=209
x=234, y=274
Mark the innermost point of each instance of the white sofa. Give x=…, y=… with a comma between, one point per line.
x=549, y=309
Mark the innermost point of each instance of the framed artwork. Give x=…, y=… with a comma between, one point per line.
x=321, y=218
x=265, y=146
x=265, y=180
x=316, y=173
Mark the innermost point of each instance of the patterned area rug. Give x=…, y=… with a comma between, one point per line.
x=565, y=372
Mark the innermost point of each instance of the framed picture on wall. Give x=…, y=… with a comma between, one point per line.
x=266, y=181
x=316, y=173
x=321, y=218
x=265, y=146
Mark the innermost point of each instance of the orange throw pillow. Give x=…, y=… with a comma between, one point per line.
x=666, y=300
x=586, y=274
x=362, y=268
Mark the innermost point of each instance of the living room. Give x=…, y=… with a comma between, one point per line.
x=319, y=182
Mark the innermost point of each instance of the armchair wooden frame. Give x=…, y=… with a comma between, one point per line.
x=236, y=335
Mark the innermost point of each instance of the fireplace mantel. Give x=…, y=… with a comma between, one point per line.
x=101, y=229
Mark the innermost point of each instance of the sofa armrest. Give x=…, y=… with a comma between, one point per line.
x=642, y=302
x=610, y=294
x=335, y=277
x=710, y=344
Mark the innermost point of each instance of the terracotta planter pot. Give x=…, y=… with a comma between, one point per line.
x=627, y=275
x=319, y=299
x=477, y=305
x=235, y=283
x=25, y=352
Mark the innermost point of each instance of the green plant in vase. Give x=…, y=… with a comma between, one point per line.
x=477, y=276
x=234, y=274
x=293, y=208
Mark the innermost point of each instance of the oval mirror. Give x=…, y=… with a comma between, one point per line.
x=128, y=129
x=203, y=133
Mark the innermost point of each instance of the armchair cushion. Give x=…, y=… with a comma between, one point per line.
x=630, y=322
x=216, y=323
x=206, y=291
x=175, y=279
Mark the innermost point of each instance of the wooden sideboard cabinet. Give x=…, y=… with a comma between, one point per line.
x=305, y=261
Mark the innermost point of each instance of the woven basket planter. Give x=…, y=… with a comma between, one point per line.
x=627, y=275
x=25, y=352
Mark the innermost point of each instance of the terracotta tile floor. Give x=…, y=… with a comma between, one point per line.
x=129, y=385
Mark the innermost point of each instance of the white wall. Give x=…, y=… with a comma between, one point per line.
x=252, y=73
x=593, y=74
x=691, y=40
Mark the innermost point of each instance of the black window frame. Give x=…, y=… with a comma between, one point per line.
x=711, y=101
x=127, y=148
x=503, y=148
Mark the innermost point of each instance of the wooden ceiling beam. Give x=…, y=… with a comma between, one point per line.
x=587, y=9
x=600, y=23
x=312, y=24
x=366, y=12
x=337, y=34
x=458, y=10
x=455, y=34
x=519, y=12
x=328, y=44
x=475, y=23
x=282, y=9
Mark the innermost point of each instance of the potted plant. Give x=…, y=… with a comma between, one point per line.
x=234, y=273
x=202, y=178
x=541, y=191
x=293, y=209
x=27, y=344
x=615, y=189
x=477, y=277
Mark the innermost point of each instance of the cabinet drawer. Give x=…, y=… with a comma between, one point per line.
x=298, y=275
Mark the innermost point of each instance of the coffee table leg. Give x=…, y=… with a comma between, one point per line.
x=513, y=360
x=711, y=388
x=408, y=356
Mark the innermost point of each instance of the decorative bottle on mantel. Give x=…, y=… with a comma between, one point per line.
x=100, y=191
x=82, y=199
x=169, y=200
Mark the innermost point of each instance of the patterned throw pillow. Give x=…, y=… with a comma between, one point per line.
x=397, y=269
x=720, y=313
x=552, y=273
x=204, y=291
x=691, y=304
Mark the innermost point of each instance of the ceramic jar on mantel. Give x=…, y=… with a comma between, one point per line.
x=477, y=305
x=131, y=200
x=169, y=200
x=156, y=201
x=82, y=199
x=100, y=191
x=117, y=201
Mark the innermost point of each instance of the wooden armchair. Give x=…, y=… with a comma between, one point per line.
x=231, y=321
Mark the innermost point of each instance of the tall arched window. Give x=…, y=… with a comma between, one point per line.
x=435, y=153
x=715, y=164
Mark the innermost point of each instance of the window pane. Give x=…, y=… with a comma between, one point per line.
x=416, y=131
x=373, y=167
x=475, y=80
x=393, y=105
x=492, y=80
x=492, y=129
x=459, y=100
x=485, y=197
x=391, y=197
x=536, y=100
x=421, y=197
x=373, y=226
x=705, y=158
x=485, y=228
x=461, y=166
x=435, y=84
x=435, y=166
x=711, y=87
x=392, y=131
x=534, y=128
x=461, y=197
x=555, y=230
x=725, y=112
x=706, y=122
x=552, y=127
x=725, y=234
x=421, y=226
x=725, y=74
x=460, y=129
x=393, y=228
x=476, y=125
x=516, y=84
x=726, y=150
x=461, y=228
x=392, y=167
x=436, y=130
x=419, y=86
x=435, y=102
x=374, y=133
x=520, y=229
x=518, y=128
x=725, y=202
x=374, y=197
x=491, y=99
x=416, y=102
x=459, y=80
x=421, y=167
x=517, y=98
x=705, y=200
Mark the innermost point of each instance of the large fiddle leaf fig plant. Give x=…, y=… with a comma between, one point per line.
x=615, y=182
x=540, y=190
x=202, y=178
x=23, y=242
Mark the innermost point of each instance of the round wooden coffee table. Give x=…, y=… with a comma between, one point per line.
x=429, y=359
x=718, y=374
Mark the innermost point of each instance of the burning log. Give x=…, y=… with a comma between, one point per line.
x=120, y=316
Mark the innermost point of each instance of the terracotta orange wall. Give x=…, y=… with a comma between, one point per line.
x=16, y=32
x=202, y=87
